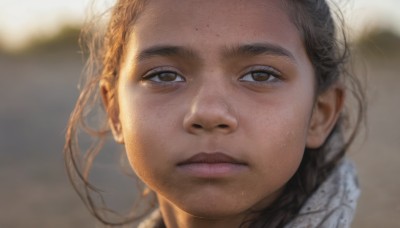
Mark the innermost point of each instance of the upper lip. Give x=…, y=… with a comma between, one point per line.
x=211, y=158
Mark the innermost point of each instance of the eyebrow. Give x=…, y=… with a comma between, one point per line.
x=259, y=49
x=228, y=52
x=166, y=51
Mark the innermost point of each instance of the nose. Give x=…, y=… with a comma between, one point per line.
x=210, y=112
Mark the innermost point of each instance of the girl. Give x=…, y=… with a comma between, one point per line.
x=231, y=112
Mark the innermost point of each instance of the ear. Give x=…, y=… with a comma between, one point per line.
x=111, y=105
x=326, y=112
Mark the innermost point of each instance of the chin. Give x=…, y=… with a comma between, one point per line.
x=212, y=213
x=214, y=209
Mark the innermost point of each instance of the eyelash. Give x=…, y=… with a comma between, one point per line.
x=272, y=75
x=155, y=76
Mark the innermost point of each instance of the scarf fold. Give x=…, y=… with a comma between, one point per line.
x=334, y=202
x=331, y=206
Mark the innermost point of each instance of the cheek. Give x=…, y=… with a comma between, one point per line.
x=287, y=148
x=144, y=130
x=279, y=135
x=140, y=146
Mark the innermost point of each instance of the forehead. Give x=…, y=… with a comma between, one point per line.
x=215, y=23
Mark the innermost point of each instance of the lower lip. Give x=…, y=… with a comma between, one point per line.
x=212, y=170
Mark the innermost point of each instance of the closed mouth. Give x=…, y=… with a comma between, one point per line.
x=211, y=158
x=212, y=166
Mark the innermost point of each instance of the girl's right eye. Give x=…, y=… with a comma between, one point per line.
x=163, y=77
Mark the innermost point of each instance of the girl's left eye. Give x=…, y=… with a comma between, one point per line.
x=164, y=77
x=261, y=76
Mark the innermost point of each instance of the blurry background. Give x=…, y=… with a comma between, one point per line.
x=40, y=66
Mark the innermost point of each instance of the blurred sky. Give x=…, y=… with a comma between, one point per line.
x=23, y=19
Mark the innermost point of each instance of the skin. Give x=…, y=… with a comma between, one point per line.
x=209, y=101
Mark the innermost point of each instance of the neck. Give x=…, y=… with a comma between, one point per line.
x=175, y=218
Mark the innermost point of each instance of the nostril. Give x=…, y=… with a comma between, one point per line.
x=219, y=126
x=197, y=126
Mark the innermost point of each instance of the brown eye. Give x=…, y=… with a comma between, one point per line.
x=166, y=76
x=260, y=76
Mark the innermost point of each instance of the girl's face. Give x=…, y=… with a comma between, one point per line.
x=215, y=100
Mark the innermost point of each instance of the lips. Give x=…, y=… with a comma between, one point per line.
x=211, y=158
x=212, y=165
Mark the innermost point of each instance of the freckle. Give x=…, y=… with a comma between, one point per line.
x=208, y=25
x=197, y=29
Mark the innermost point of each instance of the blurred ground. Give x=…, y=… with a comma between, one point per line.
x=37, y=93
x=378, y=158
x=36, y=96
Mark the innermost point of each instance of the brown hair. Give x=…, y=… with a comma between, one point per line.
x=328, y=52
